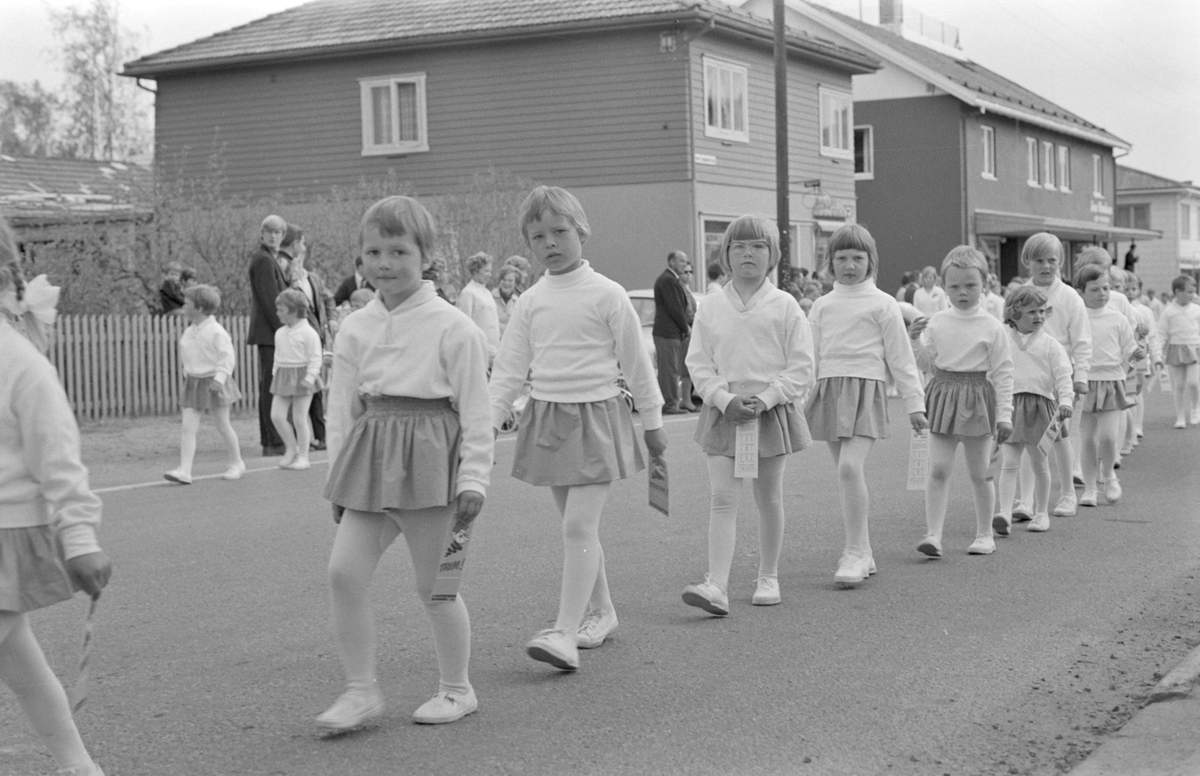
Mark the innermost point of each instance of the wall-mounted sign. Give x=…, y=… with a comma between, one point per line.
x=707, y=159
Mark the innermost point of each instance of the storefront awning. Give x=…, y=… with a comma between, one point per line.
x=829, y=226
x=994, y=222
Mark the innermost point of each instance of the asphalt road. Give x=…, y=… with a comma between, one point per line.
x=213, y=653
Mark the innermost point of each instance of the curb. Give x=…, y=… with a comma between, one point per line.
x=1179, y=681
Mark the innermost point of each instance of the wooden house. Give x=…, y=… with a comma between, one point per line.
x=1148, y=201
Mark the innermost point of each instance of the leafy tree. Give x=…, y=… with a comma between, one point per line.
x=27, y=119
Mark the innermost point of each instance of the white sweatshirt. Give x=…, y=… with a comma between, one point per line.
x=1179, y=325
x=206, y=349
x=932, y=301
x=970, y=341
x=42, y=479
x=765, y=342
x=1112, y=343
x=298, y=345
x=480, y=306
x=1068, y=323
x=424, y=349
x=1041, y=366
x=858, y=331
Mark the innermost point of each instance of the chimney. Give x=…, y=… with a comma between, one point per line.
x=891, y=13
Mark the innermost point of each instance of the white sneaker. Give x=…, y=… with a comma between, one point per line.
x=178, y=476
x=1001, y=525
x=931, y=546
x=707, y=596
x=299, y=464
x=1066, y=506
x=1022, y=511
x=766, y=592
x=353, y=708
x=983, y=545
x=852, y=569
x=446, y=707
x=1039, y=523
x=1180, y=423
x=1089, y=498
x=555, y=647
x=235, y=471
x=1112, y=490
x=597, y=626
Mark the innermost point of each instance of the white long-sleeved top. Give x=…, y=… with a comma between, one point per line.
x=970, y=341
x=574, y=335
x=42, y=479
x=423, y=349
x=1145, y=317
x=298, y=345
x=1179, y=325
x=477, y=302
x=1041, y=366
x=764, y=341
x=858, y=331
x=1068, y=323
x=932, y=301
x=206, y=350
x=1112, y=343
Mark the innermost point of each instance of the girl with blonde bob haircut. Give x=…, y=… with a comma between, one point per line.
x=750, y=227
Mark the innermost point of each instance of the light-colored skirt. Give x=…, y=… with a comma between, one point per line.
x=289, y=381
x=585, y=443
x=1182, y=355
x=402, y=453
x=1032, y=415
x=844, y=407
x=781, y=430
x=1105, y=396
x=960, y=404
x=32, y=574
x=203, y=393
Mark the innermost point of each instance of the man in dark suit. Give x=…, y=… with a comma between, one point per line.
x=670, y=330
x=267, y=279
x=352, y=284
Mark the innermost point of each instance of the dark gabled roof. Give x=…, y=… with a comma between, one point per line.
x=974, y=77
x=30, y=185
x=1129, y=179
x=335, y=27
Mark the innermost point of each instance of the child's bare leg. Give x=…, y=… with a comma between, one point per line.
x=1076, y=440
x=187, y=439
x=1024, y=485
x=225, y=429
x=1139, y=415
x=360, y=542
x=581, y=506
x=768, y=496
x=1191, y=380
x=977, y=451
x=1041, y=480
x=1088, y=425
x=1064, y=457
x=1178, y=382
x=279, y=416
x=1012, y=464
x=1108, y=426
x=725, y=493
x=937, y=489
x=300, y=420
x=1129, y=424
x=850, y=457
x=24, y=669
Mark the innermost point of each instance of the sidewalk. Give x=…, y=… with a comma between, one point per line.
x=1163, y=739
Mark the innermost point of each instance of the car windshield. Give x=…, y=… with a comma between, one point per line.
x=645, y=310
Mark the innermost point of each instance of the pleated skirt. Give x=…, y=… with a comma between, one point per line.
x=1182, y=355
x=289, y=381
x=1105, y=396
x=781, y=430
x=844, y=407
x=585, y=443
x=402, y=453
x=960, y=404
x=32, y=574
x=203, y=393
x=1032, y=415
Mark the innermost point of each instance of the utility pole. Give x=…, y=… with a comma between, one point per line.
x=782, y=184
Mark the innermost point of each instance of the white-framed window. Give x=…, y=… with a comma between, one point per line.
x=1135, y=216
x=1097, y=175
x=726, y=104
x=837, y=122
x=989, y=153
x=1064, y=168
x=1031, y=155
x=864, y=153
x=1048, y=164
x=393, y=114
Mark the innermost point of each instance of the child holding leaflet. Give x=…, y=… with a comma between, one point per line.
x=751, y=359
x=969, y=398
x=409, y=375
x=1042, y=394
x=208, y=359
x=1146, y=366
x=296, y=376
x=48, y=520
x=859, y=334
x=1179, y=332
x=578, y=332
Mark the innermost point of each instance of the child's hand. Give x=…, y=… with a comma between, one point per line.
x=467, y=509
x=1080, y=388
x=338, y=510
x=90, y=572
x=916, y=327
x=1003, y=432
x=656, y=442
x=741, y=410
x=1138, y=354
x=1064, y=411
x=919, y=421
x=307, y=384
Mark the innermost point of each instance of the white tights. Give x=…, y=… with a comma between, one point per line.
x=1100, y=431
x=1013, y=463
x=584, y=581
x=722, y=516
x=24, y=669
x=191, y=424
x=850, y=457
x=1061, y=474
x=361, y=540
x=294, y=443
x=977, y=451
x=1185, y=390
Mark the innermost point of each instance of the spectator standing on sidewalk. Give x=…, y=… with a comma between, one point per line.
x=321, y=316
x=351, y=284
x=267, y=279
x=670, y=329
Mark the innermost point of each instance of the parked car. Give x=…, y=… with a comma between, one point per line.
x=643, y=303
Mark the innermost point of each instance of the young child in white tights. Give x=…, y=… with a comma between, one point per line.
x=1042, y=393
x=751, y=359
x=969, y=398
x=48, y=521
x=1179, y=333
x=574, y=332
x=1146, y=366
x=296, y=377
x=208, y=359
x=860, y=337
x=411, y=447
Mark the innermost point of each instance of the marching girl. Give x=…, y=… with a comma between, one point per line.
x=1179, y=331
x=969, y=398
x=1042, y=393
x=1146, y=366
x=296, y=376
x=859, y=335
x=208, y=358
x=577, y=332
x=751, y=359
x=411, y=451
x=1113, y=346
x=48, y=520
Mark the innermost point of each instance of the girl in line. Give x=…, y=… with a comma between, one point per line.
x=1042, y=393
x=751, y=359
x=411, y=449
x=969, y=398
x=208, y=358
x=296, y=376
x=578, y=332
x=48, y=521
x=1179, y=330
x=1146, y=366
x=1113, y=346
x=860, y=336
